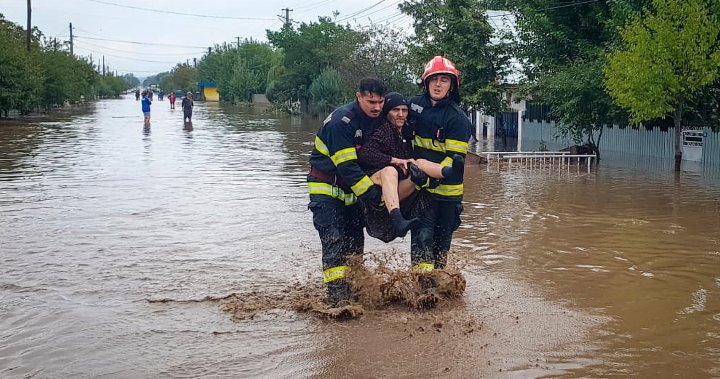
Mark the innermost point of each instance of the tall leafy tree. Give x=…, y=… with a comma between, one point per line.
x=326, y=91
x=308, y=50
x=384, y=54
x=561, y=47
x=460, y=31
x=669, y=56
x=240, y=71
x=21, y=76
x=130, y=81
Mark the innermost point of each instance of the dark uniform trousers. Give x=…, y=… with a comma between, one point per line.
x=430, y=243
x=340, y=228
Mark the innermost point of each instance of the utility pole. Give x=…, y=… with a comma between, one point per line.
x=71, y=40
x=194, y=62
x=238, y=42
x=29, y=25
x=287, y=16
x=209, y=50
x=103, y=65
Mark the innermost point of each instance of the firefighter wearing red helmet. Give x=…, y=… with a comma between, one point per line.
x=442, y=131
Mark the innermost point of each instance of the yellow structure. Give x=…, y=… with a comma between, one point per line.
x=211, y=94
x=209, y=91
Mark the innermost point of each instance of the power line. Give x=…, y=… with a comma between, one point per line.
x=382, y=9
x=138, y=52
x=547, y=9
x=143, y=43
x=126, y=57
x=312, y=6
x=360, y=11
x=163, y=11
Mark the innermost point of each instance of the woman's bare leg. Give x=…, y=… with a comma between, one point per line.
x=432, y=169
x=438, y=171
x=405, y=188
x=387, y=178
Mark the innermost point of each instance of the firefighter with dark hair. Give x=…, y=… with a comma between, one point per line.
x=337, y=183
x=442, y=131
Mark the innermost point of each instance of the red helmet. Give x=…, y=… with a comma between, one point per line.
x=440, y=65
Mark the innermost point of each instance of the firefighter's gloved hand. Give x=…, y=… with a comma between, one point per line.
x=373, y=196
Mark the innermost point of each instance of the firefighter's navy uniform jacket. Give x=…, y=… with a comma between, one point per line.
x=336, y=182
x=441, y=131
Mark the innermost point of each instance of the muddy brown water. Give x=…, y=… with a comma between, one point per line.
x=122, y=246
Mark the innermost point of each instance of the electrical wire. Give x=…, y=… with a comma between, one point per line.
x=142, y=43
x=125, y=57
x=163, y=11
x=136, y=52
x=355, y=14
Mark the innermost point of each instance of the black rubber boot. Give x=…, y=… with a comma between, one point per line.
x=454, y=172
x=338, y=293
x=400, y=224
x=417, y=176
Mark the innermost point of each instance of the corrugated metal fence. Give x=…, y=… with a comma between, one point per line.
x=649, y=143
x=711, y=148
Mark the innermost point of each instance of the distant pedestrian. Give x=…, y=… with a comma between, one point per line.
x=187, y=106
x=146, y=102
x=161, y=94
x=171, y=98
x=137, y=94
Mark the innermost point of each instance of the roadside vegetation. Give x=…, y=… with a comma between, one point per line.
x=47, y=76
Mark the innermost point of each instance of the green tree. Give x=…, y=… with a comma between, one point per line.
x=67, y=79
x=156, y=79
x=578, y=103
x=130, y=81
x=460, y=31
x=669, y=56
x=21, y=77
x=183, y=76
x=326, y=91
x=561, y=48
x=308, y=50
x=384, y=54
x=239, y=72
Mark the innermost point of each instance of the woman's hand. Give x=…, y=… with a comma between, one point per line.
x=402, y=163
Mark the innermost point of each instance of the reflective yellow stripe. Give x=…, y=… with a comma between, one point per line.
x=319, y=188
x=427, y=143
x=344, y=155
x=335, y=273
x=424, y=267
x=447, y=190
x=321, y=147
x=456, y=146
x=447, y=161
x=362, y=186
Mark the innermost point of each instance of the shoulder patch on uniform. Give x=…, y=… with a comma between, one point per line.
x=416, y=108
x=346, y=119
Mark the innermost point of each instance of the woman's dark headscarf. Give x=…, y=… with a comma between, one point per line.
x=392, y=100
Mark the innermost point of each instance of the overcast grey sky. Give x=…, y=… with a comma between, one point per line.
x=151, y=36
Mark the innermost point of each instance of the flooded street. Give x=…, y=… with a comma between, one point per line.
x=118, y=242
